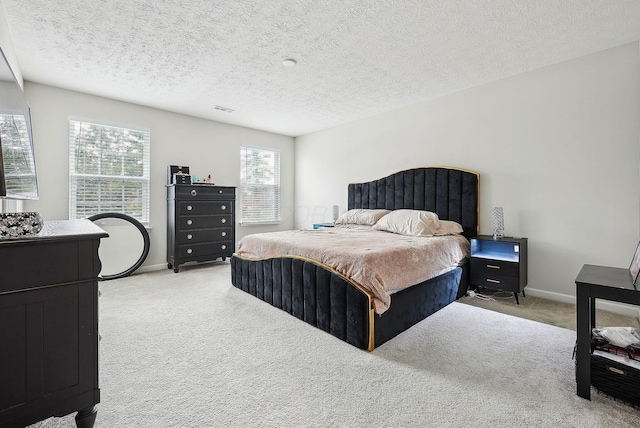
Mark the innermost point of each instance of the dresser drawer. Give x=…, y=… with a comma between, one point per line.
x=204, y=192
x=210, y=221
x=500, y=282
x=190, y=222
x=189, y=252
x=204, y=235
x=494, y=267
x=204, y=208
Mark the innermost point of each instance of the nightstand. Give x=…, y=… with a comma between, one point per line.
x=499, y=264
x=322, y=225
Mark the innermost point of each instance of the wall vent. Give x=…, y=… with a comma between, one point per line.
x=224, y=109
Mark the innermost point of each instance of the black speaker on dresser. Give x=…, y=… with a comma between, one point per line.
x=200, y=223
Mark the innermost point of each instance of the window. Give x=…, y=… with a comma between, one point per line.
x=259, y=185
x=108, y=170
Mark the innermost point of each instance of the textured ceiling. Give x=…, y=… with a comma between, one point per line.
x=355, y=58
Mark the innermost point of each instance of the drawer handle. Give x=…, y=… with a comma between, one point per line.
x=219, y=191
x=189, y=236
x=224, y=220
x=493, y=267
x=616, y=370
x=224, y=233
x=189, y=222
x=189, y=251
x=193, y=192
x=224, y=247
x=224, y=207
x=495, y=281
x=189, y=207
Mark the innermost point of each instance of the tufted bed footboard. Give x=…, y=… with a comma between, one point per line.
x=327, y=300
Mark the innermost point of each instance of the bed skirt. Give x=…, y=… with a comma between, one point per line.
x=324, y=298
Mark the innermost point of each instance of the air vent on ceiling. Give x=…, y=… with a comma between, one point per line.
x=224, y=109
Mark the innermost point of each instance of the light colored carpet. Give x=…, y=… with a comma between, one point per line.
x=190, y=350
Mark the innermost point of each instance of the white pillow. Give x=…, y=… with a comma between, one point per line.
x=448, y=227
x=363, y=216
x=409, y=222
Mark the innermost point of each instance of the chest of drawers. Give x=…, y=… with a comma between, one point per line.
x=200, y=223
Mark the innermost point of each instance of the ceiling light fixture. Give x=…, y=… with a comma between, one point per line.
x=289, y=62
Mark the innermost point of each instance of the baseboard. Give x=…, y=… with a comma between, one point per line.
x=163, y=266
x=605, y=305
x=151, y=268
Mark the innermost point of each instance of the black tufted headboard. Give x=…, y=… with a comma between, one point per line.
x=451, y=193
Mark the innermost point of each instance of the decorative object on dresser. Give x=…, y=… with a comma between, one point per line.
x=499, y=264
x=178, y=175
x=49, y=327
x=319, y=295
x=14, y=225
x=200, y=223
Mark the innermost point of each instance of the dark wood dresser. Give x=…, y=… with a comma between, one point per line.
x=200, y=223
x=49, y=324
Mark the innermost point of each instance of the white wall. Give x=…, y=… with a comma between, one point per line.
x=207, y=147
x=556, y=147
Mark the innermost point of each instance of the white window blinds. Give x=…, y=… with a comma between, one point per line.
x=108, y=170
x=259, y=185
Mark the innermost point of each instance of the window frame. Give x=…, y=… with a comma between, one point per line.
x=74, y=174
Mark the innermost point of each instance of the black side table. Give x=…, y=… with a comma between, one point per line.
x=499, y=264
x=596, y=282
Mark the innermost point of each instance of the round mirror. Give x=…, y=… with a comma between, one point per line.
x=126, y=248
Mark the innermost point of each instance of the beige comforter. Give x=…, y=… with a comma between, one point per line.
x=382, y=262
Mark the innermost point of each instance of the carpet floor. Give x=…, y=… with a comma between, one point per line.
x=190, y=350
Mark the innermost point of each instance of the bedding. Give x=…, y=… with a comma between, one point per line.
x=365, y=217
x=449, y=228
x=409, y=222
x=381, y=262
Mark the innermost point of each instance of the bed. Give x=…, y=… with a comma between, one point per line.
x=335, y=303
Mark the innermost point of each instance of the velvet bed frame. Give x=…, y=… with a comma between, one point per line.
x=322, y=297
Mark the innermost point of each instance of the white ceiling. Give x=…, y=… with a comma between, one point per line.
x=356, y=58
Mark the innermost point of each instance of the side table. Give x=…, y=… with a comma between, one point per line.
x=499, y=264
x=596, y=282
x=322, y=225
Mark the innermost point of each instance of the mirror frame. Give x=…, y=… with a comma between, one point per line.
x=13, y=101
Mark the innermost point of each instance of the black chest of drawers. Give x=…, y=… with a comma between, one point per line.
x=200, y=223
